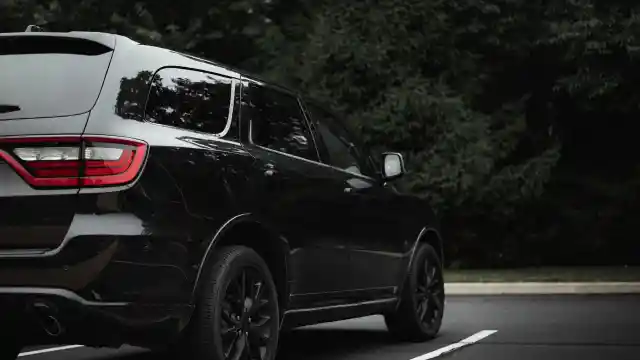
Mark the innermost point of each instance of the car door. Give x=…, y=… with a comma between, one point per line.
x=297, y=194
x=376, y=249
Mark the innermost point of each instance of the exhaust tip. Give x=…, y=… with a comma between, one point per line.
x=51, y=326
x=48, y=321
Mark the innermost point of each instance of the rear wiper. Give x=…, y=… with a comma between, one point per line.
x=8, y=108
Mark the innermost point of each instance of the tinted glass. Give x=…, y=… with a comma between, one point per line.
x=277, y=123
x=341, y=151
x=50, y=78
x=190, y=100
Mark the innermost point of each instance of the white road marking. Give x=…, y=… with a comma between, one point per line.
x=431, y=355
x=449, y=348
x=44, y=351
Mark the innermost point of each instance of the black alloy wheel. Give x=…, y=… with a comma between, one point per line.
x=237, y=316
x=247, y=316
x=421, y=309
x=429, y=293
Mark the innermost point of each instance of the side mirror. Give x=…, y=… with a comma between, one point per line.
x=393, y=166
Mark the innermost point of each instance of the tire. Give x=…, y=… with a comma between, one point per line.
x=9, y=351
x=420, y=311
x=237, y=311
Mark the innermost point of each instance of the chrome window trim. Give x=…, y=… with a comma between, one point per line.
x=361, y=176
x=318, y=162
x=232, y=101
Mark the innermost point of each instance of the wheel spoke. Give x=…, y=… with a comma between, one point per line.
x=260, y=326
x=422, y=290
x=435, y=281
x=232, y=346
x=422, y=309
x=255, y=351
x=434, y=284
x=257, y=348
x=240, y=347
x=243, y=286
x=429, y=273
x=230, y=332
x=256, y=291
x=259, y=335
x=257, y=302
x=427, y=278
x=437, y=302
x=257, y=306
x=258, y=340
x=236, y=294
x=421, y=294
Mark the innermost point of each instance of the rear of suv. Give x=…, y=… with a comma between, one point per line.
x=157, y=199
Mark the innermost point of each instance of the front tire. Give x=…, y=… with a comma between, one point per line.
x=237, y=315
x=419, y=315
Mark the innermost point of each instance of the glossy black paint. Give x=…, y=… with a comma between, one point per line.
x=339, y=244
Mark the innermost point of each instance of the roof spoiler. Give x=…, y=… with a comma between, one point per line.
x=35, y=31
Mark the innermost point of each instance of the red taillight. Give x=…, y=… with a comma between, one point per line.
x=87, y=161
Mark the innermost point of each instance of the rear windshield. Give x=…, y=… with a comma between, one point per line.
x=50, y=76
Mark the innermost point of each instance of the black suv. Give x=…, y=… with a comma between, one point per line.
x=153, y=198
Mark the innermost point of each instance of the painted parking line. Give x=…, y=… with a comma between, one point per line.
x=431, y=355
x=49, y=350
x=453, y=347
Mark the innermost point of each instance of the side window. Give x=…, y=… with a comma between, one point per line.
x=342, y=152
x=189, y=99
x=277, y=123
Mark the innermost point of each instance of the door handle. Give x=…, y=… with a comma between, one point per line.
x=348, y=190
x=270, y=169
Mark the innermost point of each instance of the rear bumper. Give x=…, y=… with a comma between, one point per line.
x=49, y=315
x=111, y=251
x=117, y=277
x=121, y=269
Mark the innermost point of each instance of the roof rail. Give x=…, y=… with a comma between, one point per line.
x=34, y=28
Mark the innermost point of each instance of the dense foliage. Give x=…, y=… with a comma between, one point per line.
x=517, y=117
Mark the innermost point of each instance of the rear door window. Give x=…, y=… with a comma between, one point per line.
x=190, y=100
x=278, y=123
x=48, y=76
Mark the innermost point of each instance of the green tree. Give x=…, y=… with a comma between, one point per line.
x=224, y=30
x=411, y=76
x=518, y=118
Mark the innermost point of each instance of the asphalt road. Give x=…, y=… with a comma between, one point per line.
x=528, y=327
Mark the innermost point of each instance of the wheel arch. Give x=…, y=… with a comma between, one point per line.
x=248, y=230
x=428, y=235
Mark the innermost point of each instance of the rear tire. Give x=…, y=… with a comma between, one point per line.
x=419, y=315
x=9, y=351
x=237, y=311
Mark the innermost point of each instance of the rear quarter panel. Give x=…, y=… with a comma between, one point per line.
x=192, y=183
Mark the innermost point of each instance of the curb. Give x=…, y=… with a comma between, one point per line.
x=541, y=288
